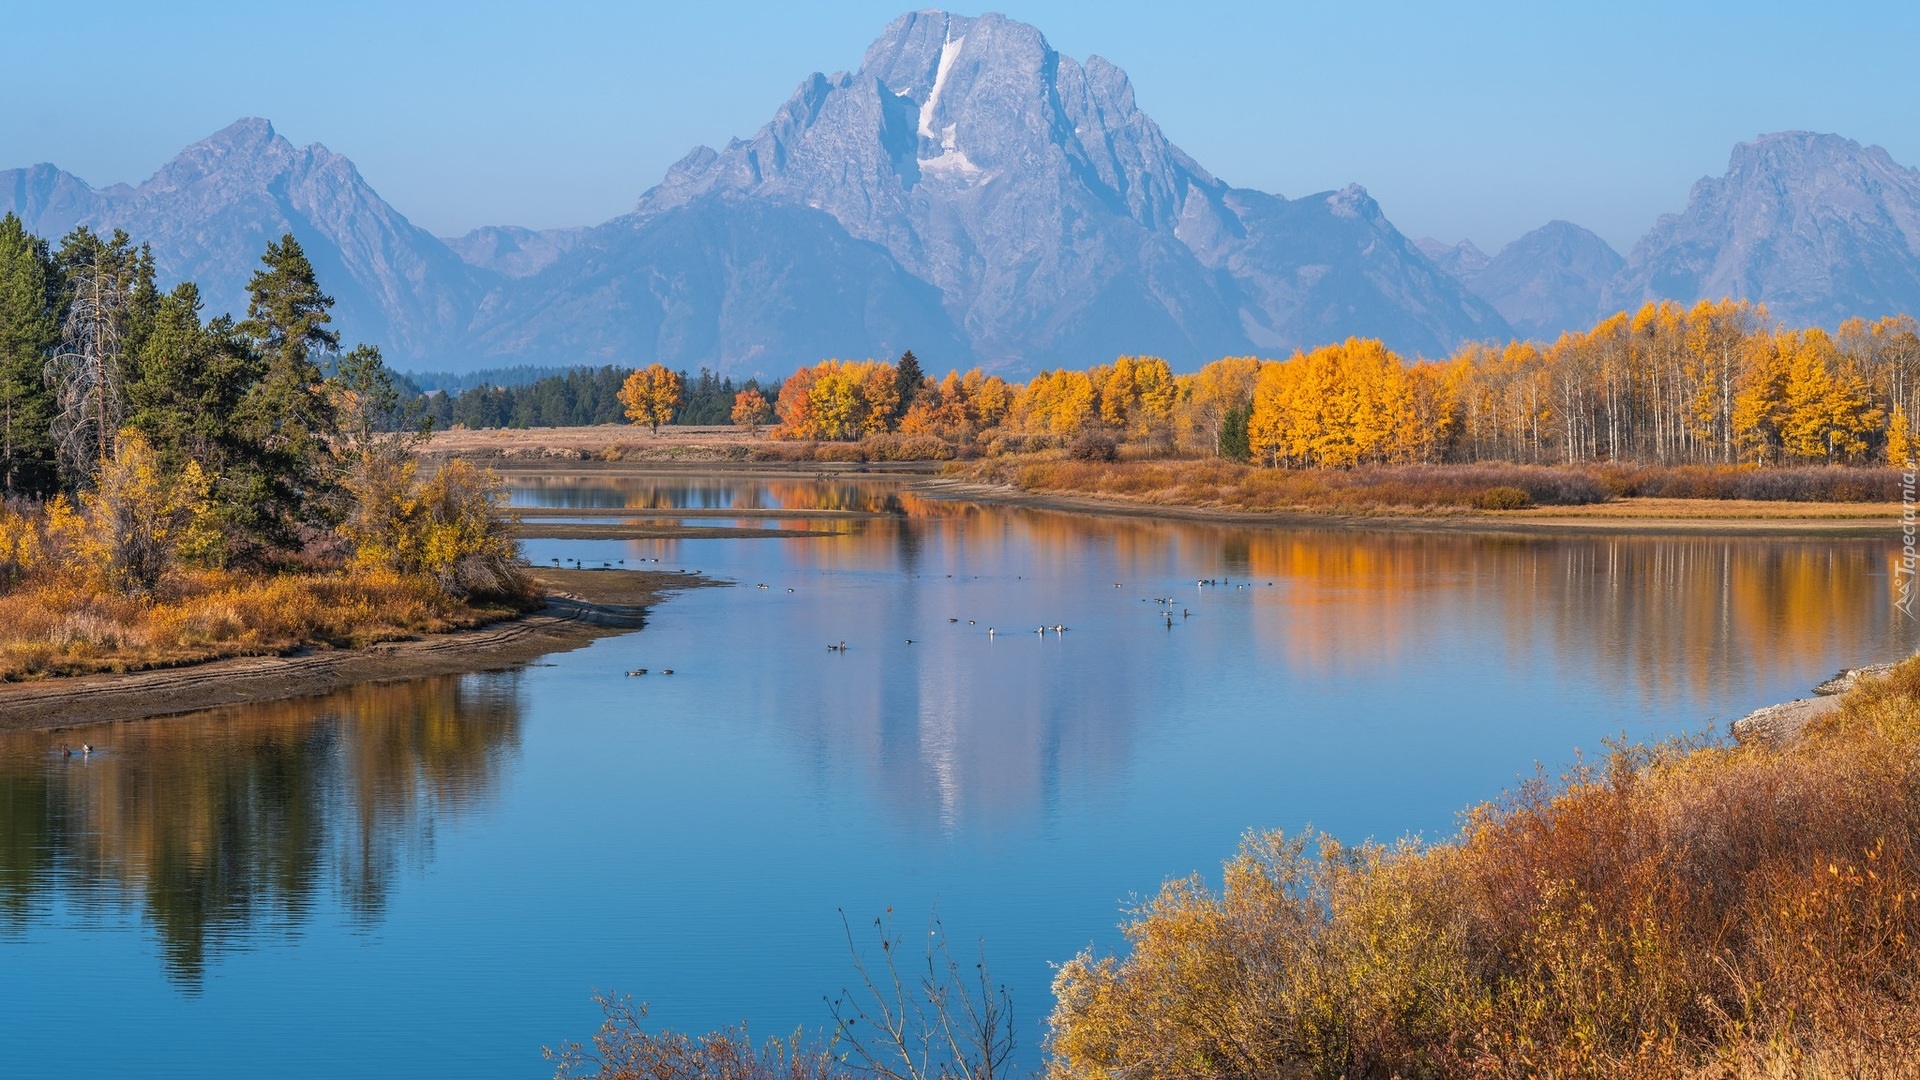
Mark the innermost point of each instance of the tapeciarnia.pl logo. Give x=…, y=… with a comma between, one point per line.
x=1904, y=572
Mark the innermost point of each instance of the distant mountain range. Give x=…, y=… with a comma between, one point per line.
x=973, y=195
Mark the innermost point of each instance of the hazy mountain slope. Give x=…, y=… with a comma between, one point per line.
x=1817, y=227
x=210, y=212
x=737, y=285
x=1550, y=280
x=1462, y=261
x=512, y=251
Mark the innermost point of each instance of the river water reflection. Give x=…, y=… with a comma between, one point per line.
x=431, y=877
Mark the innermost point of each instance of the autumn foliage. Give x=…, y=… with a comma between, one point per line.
x=751, y=410
x=1694, y=908
x=1716, y=384
x=651, y=395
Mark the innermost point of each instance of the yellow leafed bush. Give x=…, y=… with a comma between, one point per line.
x=451, y=527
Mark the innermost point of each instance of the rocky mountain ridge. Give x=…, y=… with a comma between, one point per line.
x=972, y=194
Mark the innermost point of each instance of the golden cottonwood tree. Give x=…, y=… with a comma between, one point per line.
x=651, y=396
x=837, y=400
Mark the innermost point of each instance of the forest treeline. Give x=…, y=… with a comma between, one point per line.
x=178, y=486
x=579, y=397
x=1717, y=383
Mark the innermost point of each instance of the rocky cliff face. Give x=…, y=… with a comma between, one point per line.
x=1817, y=227
x=1057, y=221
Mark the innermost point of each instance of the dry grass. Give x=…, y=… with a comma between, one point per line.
x=1225, y=485
x=1691, y=909
x=1417, y=488
x=61, y=625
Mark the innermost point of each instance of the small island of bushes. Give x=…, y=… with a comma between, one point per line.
x=179, y=489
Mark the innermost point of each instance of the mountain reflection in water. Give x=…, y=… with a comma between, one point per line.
x=232, y=823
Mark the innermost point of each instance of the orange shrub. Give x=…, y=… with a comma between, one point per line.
x=66, y=625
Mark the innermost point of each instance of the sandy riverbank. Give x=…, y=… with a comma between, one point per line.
x=582, y=606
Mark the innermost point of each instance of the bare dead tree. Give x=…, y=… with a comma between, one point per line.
x=85, y=373
x=939, y=1023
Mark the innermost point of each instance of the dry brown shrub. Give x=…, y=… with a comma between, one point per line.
x=906, y=448
x=835, y=451
x=1692, y=908
x=64, y=624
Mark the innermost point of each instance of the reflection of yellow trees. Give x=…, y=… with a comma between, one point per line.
x=1687, y=615
x=229, y=822
x=1672, y=614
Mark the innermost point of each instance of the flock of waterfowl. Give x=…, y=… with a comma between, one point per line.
x=1166, y=610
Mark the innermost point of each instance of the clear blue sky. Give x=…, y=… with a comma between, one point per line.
x=1477, y=121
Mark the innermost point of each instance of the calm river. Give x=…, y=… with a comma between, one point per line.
x=431, y=878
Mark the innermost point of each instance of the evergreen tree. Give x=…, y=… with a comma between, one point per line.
x=907, y=380
x=28, y=332
x=372, y=405
x=288, y=415
x=1234, y=444
x=187, y=389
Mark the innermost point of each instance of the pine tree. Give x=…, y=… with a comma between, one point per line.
x=28, y=331
x=186, y=395
x=288, y=415
x=907, y=381
x=1233, y=443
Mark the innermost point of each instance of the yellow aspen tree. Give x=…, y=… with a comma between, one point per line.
x=879, y=396
x=1210, y=393
x=1899, y=439
x=651, y=396
x=1759, y=405
x=834, y=402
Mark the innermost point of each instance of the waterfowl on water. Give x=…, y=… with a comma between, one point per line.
x=637, y=671
x=666, y=671
x=86, y=748
x=909, y=641
x=953, y=620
